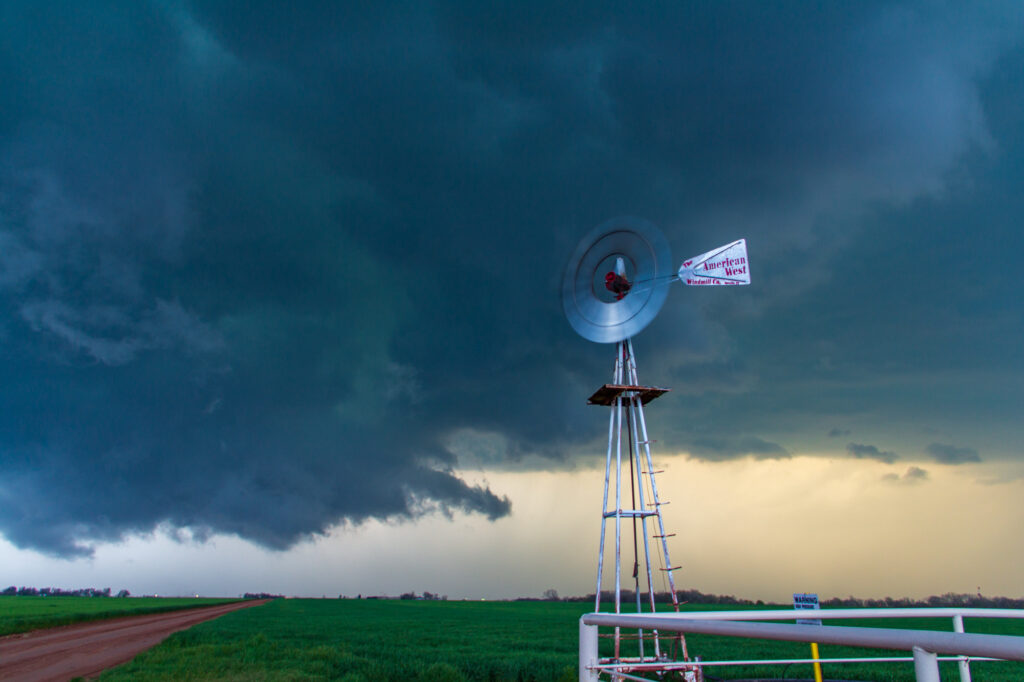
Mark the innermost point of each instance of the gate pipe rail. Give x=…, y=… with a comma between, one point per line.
x=830, y=614
x=923, y=643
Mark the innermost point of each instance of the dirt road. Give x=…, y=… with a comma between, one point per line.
x=58, y=654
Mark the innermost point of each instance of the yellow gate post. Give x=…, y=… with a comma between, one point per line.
x=817, y=666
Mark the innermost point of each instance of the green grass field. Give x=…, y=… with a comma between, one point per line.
x=379, y=641
x=21, y=614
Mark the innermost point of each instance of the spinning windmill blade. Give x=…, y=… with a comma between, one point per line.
x=605, y=309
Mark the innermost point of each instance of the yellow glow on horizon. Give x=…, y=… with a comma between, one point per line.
x=767, y=528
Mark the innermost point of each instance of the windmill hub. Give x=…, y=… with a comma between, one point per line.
x=617, y=280
x=617, y=284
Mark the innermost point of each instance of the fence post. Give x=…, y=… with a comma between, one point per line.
x=588, y=652
x=926, y=666
x=965, y=666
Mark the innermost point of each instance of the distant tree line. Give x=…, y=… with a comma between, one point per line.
x=684, y=597
x=427, y=596
x=950, y=599
x=13, y=591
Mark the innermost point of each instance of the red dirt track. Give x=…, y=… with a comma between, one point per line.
x=90, y=648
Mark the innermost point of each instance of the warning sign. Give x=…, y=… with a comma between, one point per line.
x=808, y=601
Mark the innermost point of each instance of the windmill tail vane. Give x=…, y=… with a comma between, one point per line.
x=718, y=267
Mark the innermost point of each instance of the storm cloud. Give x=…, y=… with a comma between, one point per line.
x=950, y=454
x=911, y=476
x=871, y=452
x=729, y=448
x=259, y=267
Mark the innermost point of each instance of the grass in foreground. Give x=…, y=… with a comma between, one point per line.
x=21, y=614
x=383, y=641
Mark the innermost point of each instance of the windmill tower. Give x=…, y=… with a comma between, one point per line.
x=614, y=286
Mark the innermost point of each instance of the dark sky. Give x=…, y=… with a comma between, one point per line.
x=272, y=269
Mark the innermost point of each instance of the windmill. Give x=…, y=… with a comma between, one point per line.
x=614, y=285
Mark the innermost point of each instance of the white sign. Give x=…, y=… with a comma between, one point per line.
x=809, y=601
x=722, y=266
